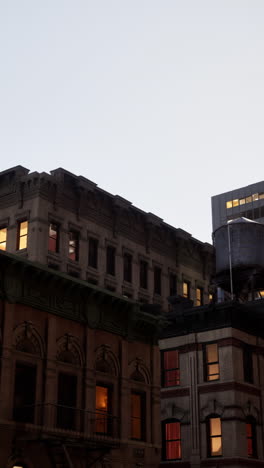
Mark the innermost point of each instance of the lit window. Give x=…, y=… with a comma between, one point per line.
x=53, y=237
x=215, y=437
x=261, y=196
x=186, y=289
x=212, y=362
x=255, y=196
x=251, y=438
x=22, y=235
x=172, y=441
x=137, y=416
x=3, y=236
x=229, y=204
x=103, y=409
x=211, y=297
x=199, y=296
x=74, y=245
x=236, y=202
x=242, y=201
x=249, y=199
x=170, y=368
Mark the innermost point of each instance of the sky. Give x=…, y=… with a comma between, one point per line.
x=158, y=101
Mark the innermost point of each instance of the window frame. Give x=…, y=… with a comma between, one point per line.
x=188, y=284
x=172, y=284
x=74, y=247
x=109, y=259
x=142, y=417
x=93, y=252
x=164, y=440
x=252, y=422
x=210, y=437
x=3, y=228
x=199, y=301
x=57, y=239
x=208, y=363
x=108, y=414
x=157, y=280
x=248, y=364
x=165, y=371
x=19, y=236
x=127, y=267
x=143, y=274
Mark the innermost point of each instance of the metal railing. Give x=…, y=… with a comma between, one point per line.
x=97, y=425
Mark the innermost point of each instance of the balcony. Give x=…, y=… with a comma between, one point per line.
x=51, y=421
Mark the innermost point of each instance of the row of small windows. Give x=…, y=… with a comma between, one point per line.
x=172, y=442
x=171, y=365
x=243, y=201
x=73, y=254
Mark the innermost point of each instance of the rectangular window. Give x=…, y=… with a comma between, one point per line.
x=53, y=237
x=137, y=416
x=172, y=441
x=235, y=202
x=249, y=199
x=261, y=196
x=186, y=289
x=110, y=260
x=143, y=279
x=128, y=267
x=215, y=437
x=157, y=280
x=74, y=245
x=199, y=296
x=173, y=284
x=67, y=400
x=255, y=196
x=103, y=410
x=24, y=393
x=170, y=368
x=242, y=201
x=93, y=253
x=248, y=364
x=229, y=204
x=251, y=439
x=3, y=237
x=212, y=362
x=22, y=235
x=211, y=297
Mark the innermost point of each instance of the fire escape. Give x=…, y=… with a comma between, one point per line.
x=67, y=433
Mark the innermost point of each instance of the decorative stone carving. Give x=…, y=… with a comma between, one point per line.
x=69, y=350
x=138, y=371
x=106, y=361
x=28, y=340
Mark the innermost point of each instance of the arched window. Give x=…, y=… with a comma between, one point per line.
x=171, y=440
x=251, y=437
x=214, y=436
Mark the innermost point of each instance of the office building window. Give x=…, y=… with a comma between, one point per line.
x=110, y=260
x=171, y=440
x=212, y=371
x=170, y=368
x=157, y=280
x=137, y=416
x=103, y=410
x=214, y=437
x=128, y=267
x=173, y=284
x=251, y=437
x=93, y=253
x=248, y=364
x=3, y=238
x=74, y=245
x=186, y=289
x=53, y=237
x=22, y=235
x=143, y=279
x=199, y=296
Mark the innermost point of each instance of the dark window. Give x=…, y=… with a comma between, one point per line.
x=143, y=279
x=103, y=410
x=53, y=237
x=22, y=235
x=248, y=364
x=67, y=398
x=74, y=245
x=157, y=280
x=214, y=432
x=110, y=260
x=212, y=371
x=186, y=289
x=251, y=438
x=173, y=284
x=93, y=252
x=170, y=368
x=128, y=267
x=199, y=297
x=137, y=416
x=171, y=440
x=3, y=238
x=24, y=394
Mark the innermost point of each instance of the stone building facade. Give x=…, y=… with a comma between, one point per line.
x=212, y=396
x=79, y=373
x=68, y=223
